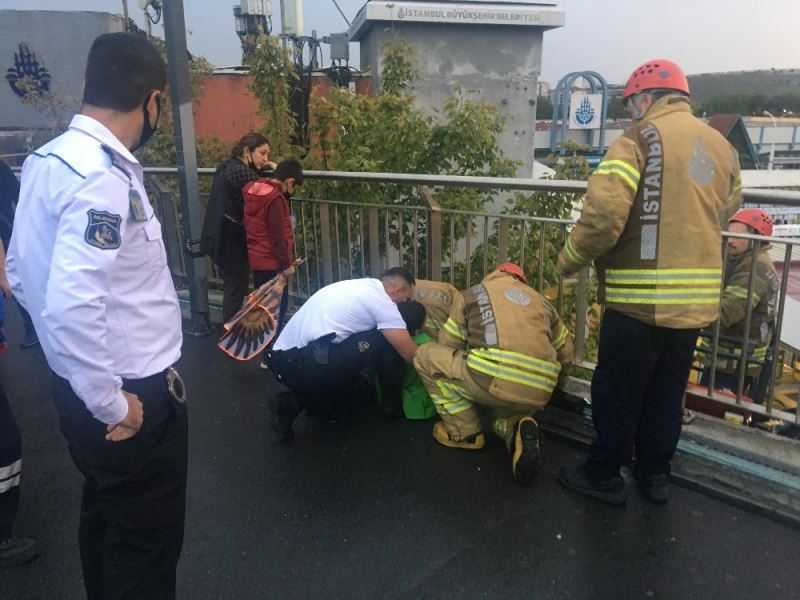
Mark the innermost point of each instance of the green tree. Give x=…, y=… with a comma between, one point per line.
x=274, y=79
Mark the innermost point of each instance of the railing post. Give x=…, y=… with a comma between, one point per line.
x=373, y=227
x=502, y=240
x=581, y=307
x=172, y=233
x=434, y=242
x=325, y=241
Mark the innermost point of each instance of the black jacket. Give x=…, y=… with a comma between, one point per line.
x=223, y=237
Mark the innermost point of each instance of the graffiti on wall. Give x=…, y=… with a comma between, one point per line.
x=27, y=74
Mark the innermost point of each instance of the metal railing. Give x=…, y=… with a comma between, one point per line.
x=341, y=240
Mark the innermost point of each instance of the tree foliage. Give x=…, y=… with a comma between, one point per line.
x=388, y=132
x=274, y=78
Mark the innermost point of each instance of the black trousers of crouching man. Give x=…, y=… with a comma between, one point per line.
x=134, y=493
x=637, y=394
x=323, y=374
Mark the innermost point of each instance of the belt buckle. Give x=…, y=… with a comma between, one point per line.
x=175, y=385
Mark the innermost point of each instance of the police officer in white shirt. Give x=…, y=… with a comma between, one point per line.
x=88, y=262
x=342, y=329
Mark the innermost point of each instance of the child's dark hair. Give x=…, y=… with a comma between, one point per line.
x=413, y=314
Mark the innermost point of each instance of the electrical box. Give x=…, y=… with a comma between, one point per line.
x=340, y=46
x=256, y=7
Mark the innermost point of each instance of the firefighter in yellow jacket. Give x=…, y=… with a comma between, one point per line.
x=652, y=222
x=501, y=353
x=437, y=298
x=742, y=253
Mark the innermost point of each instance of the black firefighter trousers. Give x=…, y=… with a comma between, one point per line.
x=134, y=493
x=637, y=394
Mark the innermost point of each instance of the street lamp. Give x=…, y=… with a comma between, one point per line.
x=766, y=113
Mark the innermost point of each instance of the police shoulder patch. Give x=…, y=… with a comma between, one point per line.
x=102, y=230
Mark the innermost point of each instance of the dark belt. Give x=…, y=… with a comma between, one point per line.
x=175, y=384
x=316, y=352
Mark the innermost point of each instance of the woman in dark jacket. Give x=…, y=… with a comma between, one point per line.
x=223, y=236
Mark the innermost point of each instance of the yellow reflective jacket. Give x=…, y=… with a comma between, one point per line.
x=517, y=347
x=653, y=215
x=436, y=297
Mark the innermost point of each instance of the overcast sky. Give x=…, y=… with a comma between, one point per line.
x=608, y=36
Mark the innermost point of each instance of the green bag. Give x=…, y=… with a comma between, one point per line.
x=417, y=404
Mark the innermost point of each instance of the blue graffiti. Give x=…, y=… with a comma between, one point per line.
x=27, y=75
x=585, y=113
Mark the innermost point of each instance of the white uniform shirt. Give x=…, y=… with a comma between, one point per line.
x=94, y=279
x=344, y=308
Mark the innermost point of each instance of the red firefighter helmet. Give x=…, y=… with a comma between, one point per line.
x=515, y=270
x=657, y=74
x=754, y=218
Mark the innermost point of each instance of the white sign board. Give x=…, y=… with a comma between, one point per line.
x=585, y=111
x=484, y=13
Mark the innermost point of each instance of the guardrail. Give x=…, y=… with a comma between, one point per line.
x=343, y=239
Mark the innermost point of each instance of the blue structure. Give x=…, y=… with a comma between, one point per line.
x=561, y=100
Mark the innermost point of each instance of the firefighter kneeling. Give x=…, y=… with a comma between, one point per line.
x=500, y=355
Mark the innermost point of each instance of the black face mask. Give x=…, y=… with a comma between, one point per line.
x=147, y=130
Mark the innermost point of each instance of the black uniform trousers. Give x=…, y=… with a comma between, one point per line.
x=10, y=455
x=134, y=493
x=324, y=374
x=637, y=394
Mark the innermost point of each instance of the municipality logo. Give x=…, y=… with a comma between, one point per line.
x=585, y=113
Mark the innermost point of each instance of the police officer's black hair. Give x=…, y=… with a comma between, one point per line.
x=250, y=141
x=413, y=314
x=288, y=169
x=121, y=70
x=402, y=273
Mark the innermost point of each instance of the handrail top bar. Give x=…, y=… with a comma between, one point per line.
x=776, y=197
x=444, y=211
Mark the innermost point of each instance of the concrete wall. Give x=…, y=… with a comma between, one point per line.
x=61, y=42
x=498, y=64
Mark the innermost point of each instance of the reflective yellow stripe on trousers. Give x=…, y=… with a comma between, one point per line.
x=526, y=370
x=663, y=286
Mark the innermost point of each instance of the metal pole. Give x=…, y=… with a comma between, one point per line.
x=186, y=159
x=125, y=14
x=774, y=133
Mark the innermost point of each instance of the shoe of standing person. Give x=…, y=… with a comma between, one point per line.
x=578, y=479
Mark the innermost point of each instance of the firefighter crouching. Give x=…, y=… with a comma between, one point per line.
x=733, y=308
x=500, y=355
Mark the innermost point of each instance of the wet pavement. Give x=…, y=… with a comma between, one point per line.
x=367, y=509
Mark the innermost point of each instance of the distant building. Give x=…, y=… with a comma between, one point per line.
x=769, y=82
x=48, y=48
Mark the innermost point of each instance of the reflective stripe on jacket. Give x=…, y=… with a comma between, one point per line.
x=653, y=215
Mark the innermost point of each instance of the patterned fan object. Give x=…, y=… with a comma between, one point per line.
x=253, y=327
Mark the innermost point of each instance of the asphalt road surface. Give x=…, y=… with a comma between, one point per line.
x=362, y=508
